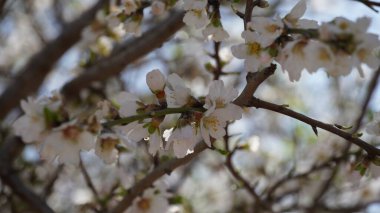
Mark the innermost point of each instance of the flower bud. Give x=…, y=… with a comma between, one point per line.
x=155, y=80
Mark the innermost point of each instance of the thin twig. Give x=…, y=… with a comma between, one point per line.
x=33, y=73
x=88, y=180
x=125, y=54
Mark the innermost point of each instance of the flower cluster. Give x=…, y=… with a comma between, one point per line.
x=197, y=16
x=338, y=46
x=63, y=135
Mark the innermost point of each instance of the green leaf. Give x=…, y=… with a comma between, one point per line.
x=50, y=117
x=223, y=152
x=176, y=200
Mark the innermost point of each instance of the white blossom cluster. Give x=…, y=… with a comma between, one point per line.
x=64, y=136
x=196, y=16
x=338, y=46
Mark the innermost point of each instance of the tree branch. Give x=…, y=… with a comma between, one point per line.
x=371, y=150
x=246, y=184
x=33, y=73
x=165, y=168
x=10, y=150
x=125, y=54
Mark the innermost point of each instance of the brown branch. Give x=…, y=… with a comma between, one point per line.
x=370, y=90
x=48, y=189
x=254, y=79
x=11, y=149
x=165, y=168
x=88, y=180
x=371, y=150
x=246, y=184
x=326, y=185
x=369, y=4
x=33, y=73
x=125, y=54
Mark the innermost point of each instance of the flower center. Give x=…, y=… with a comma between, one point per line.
x=343, y=26
x=219, y=103
x=144, y=204
x=108, y=144
x=362, y=54
x=298, y=48
x=272, y=28
x=323, y=55
x=71, y=133
x=254, y=48
x=211, y=122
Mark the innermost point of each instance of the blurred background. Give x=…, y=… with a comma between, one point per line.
x=278, y=144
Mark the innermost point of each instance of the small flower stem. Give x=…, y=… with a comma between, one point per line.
x=125, y=121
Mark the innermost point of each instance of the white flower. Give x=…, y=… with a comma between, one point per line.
x=310, y=55
x=141, y=131
x=373, y=127
x=103, y=110
x=253, y=51
x=364, y=53
x=105, y=147
x=212, y=125
x=217, y=33
x=155, y=81
x=220, y=110
x=183, y=140
x=220, y=98
x=158, y=7
x=194, y=4
x=177, y=94
x=136, y=131
x=267, y=27
x=66, y=142
x=89, y=36
x=196, y=18
x=31, y=125
x=153, y=200
x=370, y=191
x=133, y=25
x=342, y=66
x=130, y=6
x=103, y=46
x=351, y=44
x=292, y=19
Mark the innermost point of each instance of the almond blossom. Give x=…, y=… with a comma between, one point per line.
x=217, y=33
x=105, y=147
x=177, y=94
x=221, y=98
x=33, y=124
x=133, y=25
x=303, y=54
x=155, y=81
x=293, y=18
x=182, y=139
x=267, y=27
x=66, y=142
x=153, y=200
x=351, y=44
x=220, y=110
x=158, y=7
x=138, y=130
x=254, y=51
x=196, y=15
x=130, y=6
